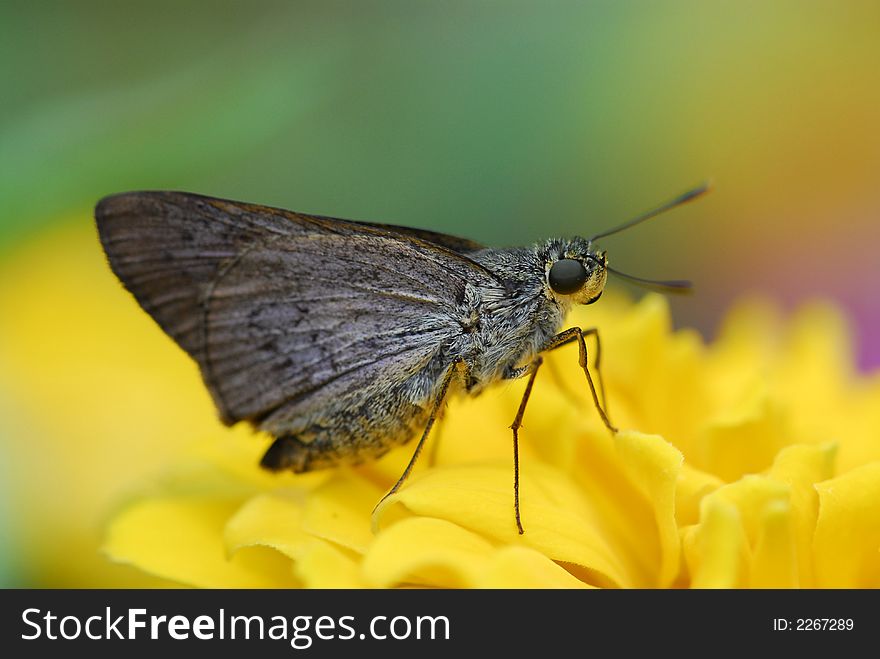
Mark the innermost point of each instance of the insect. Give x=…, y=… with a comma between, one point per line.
x=343, y=339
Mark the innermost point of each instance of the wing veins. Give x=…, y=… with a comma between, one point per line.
x=330, y=356
x=261, y=416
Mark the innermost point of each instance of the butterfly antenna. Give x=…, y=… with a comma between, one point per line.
x=674, y=286
x=690, y=195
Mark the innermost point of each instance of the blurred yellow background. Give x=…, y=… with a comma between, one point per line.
x=504, y=122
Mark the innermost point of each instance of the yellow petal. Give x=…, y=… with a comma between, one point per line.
x=803, y=465
x=745, y=441
x=775, y=563
x=847, y=540
x=633, y=356
x=800, y=467
x=640, y=358
x=856, y=424
x=559, y=521
x=681, y=386
x=477, y=428
x=763, y=542
x=340, y=511
x=433, y=552
x=815, y=375
x=269, y=520
x=323, y=565
x=748, y=342
x=629, y=482
x=718, y=555
x=181, y=539
x=522, y=567
x=654, y=466
x=644, y=331
x=690, y=552
x=752, y=495
x=277, y=522
x=427, y=552
x=819, y=351
x=692, y=486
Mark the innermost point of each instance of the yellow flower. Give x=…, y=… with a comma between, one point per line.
x=94, y=401
x=751, y=462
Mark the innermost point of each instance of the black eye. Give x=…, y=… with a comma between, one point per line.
x=567, y=276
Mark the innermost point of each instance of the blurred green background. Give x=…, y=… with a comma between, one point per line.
x=504, y=122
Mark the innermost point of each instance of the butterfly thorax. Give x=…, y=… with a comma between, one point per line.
x=508, y=325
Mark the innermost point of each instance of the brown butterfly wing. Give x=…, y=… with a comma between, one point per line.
x=285, y=313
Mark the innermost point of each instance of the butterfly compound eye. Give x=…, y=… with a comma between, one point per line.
x=567, y=276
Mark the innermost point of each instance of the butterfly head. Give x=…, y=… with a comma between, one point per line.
x=576, y=273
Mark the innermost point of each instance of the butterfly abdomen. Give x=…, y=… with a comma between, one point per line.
x=348, y=434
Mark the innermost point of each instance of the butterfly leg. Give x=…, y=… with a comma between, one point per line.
x=515, y=426
x=561, y=339
x=435, y=409
x=577, y=334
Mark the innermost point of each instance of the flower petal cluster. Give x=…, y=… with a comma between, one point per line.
x=753, y=461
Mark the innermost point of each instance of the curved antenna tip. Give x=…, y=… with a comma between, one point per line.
x=684, y=198
x=701, y=189
x=673, y=286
